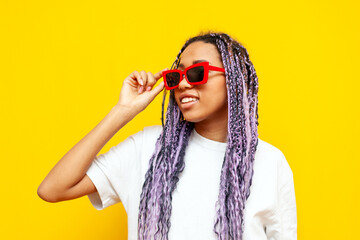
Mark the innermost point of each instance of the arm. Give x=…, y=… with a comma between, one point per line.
x=68, y=180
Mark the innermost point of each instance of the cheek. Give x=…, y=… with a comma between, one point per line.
x=221, y=100
x=176, y=96
x=224, y=91
x=214, y=101
x=218, y=93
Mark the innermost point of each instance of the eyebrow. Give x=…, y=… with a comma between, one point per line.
x=194, y=62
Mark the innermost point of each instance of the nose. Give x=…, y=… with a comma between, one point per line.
x=184, y=84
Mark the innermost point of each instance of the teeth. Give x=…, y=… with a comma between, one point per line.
x=188, y=99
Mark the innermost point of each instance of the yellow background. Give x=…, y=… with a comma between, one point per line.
x=62, y=64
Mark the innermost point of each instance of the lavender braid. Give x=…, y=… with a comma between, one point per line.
x=167, y=161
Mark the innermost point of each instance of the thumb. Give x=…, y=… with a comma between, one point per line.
x=155, y=91
x=158, y=75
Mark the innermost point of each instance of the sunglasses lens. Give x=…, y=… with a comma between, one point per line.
x=195, y=74
x=172, y=79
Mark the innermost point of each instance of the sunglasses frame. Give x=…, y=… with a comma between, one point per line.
x=206, y=66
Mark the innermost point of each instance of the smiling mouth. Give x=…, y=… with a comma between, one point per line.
x=188, y=100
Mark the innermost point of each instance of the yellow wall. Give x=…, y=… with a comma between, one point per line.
x=62, y=64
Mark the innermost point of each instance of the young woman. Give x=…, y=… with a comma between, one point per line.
x=203, y=174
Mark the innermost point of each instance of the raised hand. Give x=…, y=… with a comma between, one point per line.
x=138, y=90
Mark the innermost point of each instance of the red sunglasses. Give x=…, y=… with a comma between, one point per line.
x=194, y=75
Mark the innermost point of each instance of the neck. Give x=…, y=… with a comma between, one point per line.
x=213, y=130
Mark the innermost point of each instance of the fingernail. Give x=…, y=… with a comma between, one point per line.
x=140, y=89
x=148, y=88
x=141, y=82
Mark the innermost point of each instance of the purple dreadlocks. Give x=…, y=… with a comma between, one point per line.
x=167, y=160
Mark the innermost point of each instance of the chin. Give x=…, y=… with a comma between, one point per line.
x=193, y=119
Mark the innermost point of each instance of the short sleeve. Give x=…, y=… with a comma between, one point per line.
x=110, y=172
x=285, y=225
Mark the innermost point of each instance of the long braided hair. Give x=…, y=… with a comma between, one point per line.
x=167, y=161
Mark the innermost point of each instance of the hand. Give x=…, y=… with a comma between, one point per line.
x=137, y=91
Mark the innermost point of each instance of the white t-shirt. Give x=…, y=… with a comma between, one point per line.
x=270, y=210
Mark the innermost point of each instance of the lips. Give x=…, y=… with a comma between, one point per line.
x=185, y=97
x=187, y=100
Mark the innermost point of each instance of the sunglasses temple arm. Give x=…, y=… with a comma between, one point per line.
x=217, y=69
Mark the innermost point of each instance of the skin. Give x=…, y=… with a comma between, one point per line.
x=67, y=180
x=210, y=112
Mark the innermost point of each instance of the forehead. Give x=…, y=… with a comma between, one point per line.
x=200, y=52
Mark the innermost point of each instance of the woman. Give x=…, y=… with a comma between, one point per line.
x=209, y=177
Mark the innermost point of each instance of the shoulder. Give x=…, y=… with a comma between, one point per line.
x=151, y=133
x=265, y=149
x=147, y=134
x=267, y=152
x=153, y=130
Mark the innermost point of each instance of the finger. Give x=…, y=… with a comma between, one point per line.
x=151, y=81
x=144, y=77
x=158, y=75
x=156, y=90
x=136, y=76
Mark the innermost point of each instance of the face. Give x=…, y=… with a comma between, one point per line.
x=209, y=100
